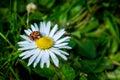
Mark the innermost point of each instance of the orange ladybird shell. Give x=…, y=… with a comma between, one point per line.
x=34, y=35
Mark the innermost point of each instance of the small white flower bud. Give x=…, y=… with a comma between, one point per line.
x=31, y=7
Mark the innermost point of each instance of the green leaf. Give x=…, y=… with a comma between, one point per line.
x=47, y=3
x=92, y=25
x=72, y=43
x=68, y=73
x=114, y=46
x=111, y=28
x=96, y=65
x=83, y=77
x=114, y=75
x=86, y=48
x=14, y=56
x=45, y=72
x=103, y=64
x=24, y=64
x=76, y=34
x=101, y=76
x=115, y=57
x=63, y=18
x=36, y=16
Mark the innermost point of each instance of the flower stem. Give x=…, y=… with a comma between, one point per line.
x=6, y=39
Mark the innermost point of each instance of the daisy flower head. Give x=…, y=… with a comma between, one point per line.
x=44, y=44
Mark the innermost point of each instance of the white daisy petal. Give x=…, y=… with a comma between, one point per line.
x=38, y=58
x=54, y=58
x=30, y=30
x=23, y=42
x=36, y=53
x=28, y=47
x=44, y=59
x=52, y=32
x=43, y=24
x=23, y=46
x=48, y=28
x=62, y=40
x=63, y=52
x=28, y=54
x=48, y=59
x=48, y=24
x=58, y=53
x=66, y=47
x=36, y=27
x=48, y=63
x=33, y=28
x=26, y=44
x=58, y=34
x=42, y=29
x=27, y=32
x=26, y=38
x=62, y=44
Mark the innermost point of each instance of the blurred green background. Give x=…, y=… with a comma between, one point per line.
x=94, y=27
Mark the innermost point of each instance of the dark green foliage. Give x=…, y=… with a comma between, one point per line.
x=94, y=27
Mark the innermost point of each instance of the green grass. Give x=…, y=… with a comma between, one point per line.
x=94, y=27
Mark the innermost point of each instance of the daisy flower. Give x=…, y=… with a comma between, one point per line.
x=43, y=45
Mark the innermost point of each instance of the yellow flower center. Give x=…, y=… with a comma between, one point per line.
x=44, y=42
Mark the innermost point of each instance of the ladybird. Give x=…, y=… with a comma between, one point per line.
x=34, y=35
